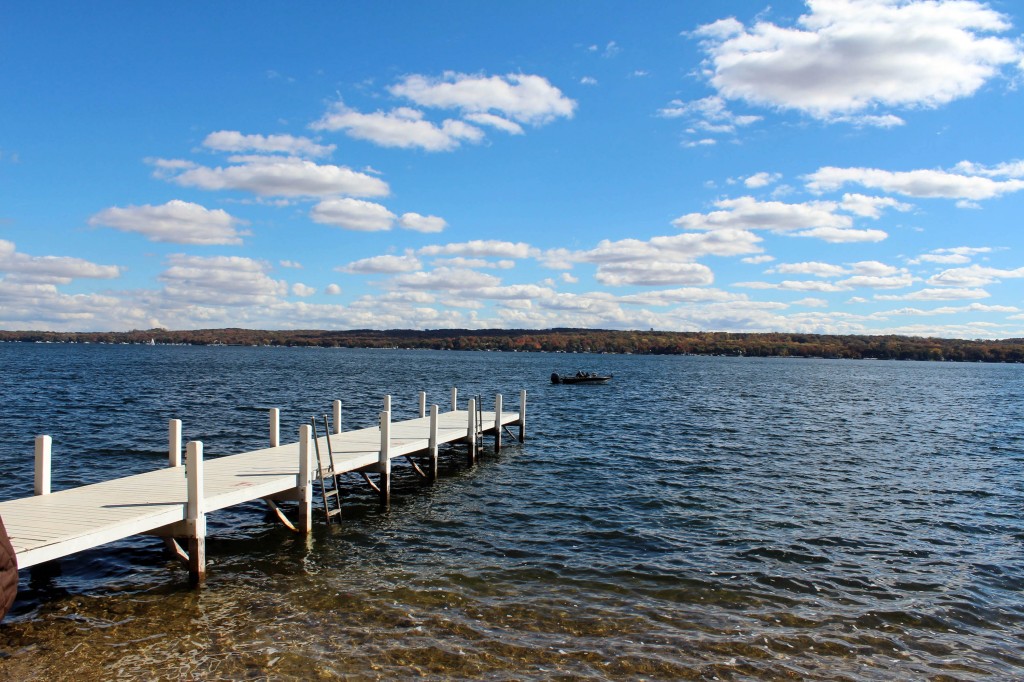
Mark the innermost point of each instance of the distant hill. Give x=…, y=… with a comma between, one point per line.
x=572, y=341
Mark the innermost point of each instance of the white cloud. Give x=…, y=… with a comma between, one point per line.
x=973, y=276
x=220, y=281
x=708, y=115
x=954, y=256
x=1007, y=169
x=808, y=268
x=935, y=295
x=353, y=214
x=480, y=248
x=568, y=278
x=176, y=222
x=48, y=270
x=422, y=223
x=275, y=176
x=510, y=127
x=794, y=285
x=402, y=127
x=332, y=290
x=847, y=57
x=871, y=207
x=762, y=179
x=811, y=302
x=877, y=282
x=916, y=183
x=235, y=142
x=445, y=279
x=654, y=273
x=383, y=264
x=300, y=289
x=835, y=235
x=588, y=80
x=757, y=260
x=521, y=97
x=747, y=213
x=667, y=297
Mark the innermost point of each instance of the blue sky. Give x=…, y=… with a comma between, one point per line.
x=831, y=166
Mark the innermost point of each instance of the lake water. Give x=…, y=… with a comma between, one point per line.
x=697, y=518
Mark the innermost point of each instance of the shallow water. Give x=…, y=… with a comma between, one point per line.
x=696, y=518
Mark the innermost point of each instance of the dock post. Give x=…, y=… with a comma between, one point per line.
x=522, y=416
x=455, y=399
x=432, y=443
x=196, y=513
x=174, y=443
x=44, y=449
x=423, y=404
x=385, y=458
x=472, y=430
x=497, y=423
x=337, y=416
x=275, y=427
x=387, y=403
x=305, y=520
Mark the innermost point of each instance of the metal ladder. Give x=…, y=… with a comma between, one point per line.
x=332, y=491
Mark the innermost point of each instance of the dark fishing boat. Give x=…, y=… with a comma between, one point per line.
x=580, y=378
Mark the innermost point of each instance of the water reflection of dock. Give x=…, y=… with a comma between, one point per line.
x=173, y=502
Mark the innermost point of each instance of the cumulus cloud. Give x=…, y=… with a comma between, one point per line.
x=813, y=268
x=422, y=223
x=235, y=142
x=275, y=176
x=762, y=179
x=973, y=276
x=176, y=222
x=525, y=98
x=848, y=57
x=953, y=256
x=302, y=290
x=835, y=235
x=332, y=290
x=445, y=279
x=950, y=294
x=49, y=270
x=383, y=265
x=871, y=207
x=353, y=214
x=916, y=183
x=403, y=127
x=220, y=281
x=709, y=115
x=480, y=248
x=654, y=273
x=747, y=213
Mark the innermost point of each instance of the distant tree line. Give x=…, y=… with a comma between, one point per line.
x=573, y=341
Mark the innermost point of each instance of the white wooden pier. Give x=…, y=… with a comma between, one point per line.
x=173, y=502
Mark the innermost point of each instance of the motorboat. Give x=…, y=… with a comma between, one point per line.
x=580, y=378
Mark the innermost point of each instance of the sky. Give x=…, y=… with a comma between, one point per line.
x=828, y=166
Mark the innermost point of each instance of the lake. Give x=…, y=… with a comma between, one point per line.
x=696, y=518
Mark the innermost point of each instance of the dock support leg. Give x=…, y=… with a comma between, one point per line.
x=497, y=423
x=433, y=442
x=196, y=515
x=275, y=427
x=44, y=448
x=174, y=443
x=455, y=399
x=522, y=416
x=423, y=404
x=385, y=458
x=305, y=482
x=337, y=416
x=471, y=431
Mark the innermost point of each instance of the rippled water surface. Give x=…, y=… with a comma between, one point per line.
x=697, y=518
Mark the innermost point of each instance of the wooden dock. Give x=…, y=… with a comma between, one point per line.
x=173, y=502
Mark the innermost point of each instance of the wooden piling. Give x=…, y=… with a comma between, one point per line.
x=305, y=481
x=472, y=431
x=385, y=458
x=387, y=403
x=174, y=443
x=423, y=404
x=432, y=442
x=275, y=427
x=455, y=399
x=522, y=416
x=44, y=449
x=195, y=517
x=497, y=423
x=337, y=416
